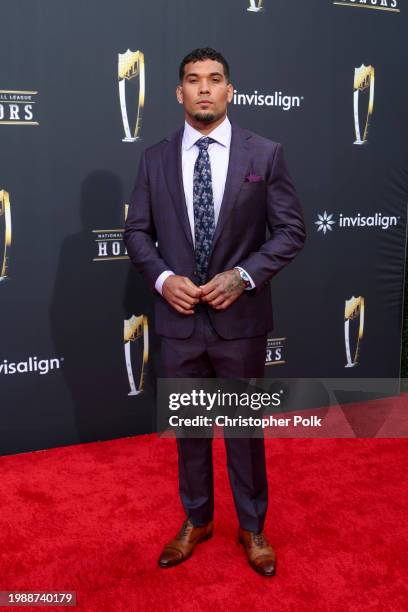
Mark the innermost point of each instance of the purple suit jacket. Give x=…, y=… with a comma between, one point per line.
x=158, y=213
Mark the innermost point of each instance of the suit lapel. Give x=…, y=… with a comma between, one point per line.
x=238, y=168
x=174, y=179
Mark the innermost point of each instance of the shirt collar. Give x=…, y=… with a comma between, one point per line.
x=222, y=134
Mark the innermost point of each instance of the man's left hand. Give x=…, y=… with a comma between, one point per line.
x=223, y=289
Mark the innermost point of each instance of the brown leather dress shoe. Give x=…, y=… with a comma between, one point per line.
x=261, y=556
x=181, y=548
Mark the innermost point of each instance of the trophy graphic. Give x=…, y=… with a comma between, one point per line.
x=136, y=339
x=255, y=7
x=5, y=233
x=363, y=82
x=353, y=317
x=130, y=65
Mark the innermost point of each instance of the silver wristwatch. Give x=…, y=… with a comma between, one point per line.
x=245, y=278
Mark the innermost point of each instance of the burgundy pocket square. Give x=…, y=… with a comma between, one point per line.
x=253, y=178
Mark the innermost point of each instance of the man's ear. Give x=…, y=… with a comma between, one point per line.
x=179, y=94
x=230, y=92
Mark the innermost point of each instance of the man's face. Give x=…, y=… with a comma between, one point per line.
x=204, y=91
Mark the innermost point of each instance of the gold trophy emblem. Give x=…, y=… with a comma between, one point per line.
x=255, y=7
x=136, y=339
x=131, y=65
x=353, y=312
x=363, y=81
x=5, y=233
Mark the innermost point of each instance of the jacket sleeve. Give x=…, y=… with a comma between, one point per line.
x=284, y=218
x=140, y=233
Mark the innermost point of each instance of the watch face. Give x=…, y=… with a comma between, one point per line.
x=245, y=279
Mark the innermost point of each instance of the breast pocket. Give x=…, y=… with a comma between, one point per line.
x=248, y=186
x=251, y=192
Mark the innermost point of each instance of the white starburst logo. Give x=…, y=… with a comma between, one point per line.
x=325, y=222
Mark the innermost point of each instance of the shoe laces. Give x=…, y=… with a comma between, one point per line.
x=186, y=527
x=259, y=539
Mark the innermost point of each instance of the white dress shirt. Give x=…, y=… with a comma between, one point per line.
x=219, y=157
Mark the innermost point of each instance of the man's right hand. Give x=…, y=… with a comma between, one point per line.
x=181, y=293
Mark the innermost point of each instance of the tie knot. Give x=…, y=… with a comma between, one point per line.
x=203, y=143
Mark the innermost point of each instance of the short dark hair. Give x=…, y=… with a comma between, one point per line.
x=198, y=55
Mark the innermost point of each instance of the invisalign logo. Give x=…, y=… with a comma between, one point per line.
x=325, y=222
x=32, y=364
x=276, y=99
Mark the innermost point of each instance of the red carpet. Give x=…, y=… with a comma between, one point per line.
x=92, y=519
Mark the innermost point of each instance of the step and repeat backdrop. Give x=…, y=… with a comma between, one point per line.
x=84, y=88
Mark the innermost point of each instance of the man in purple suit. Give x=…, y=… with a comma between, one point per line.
x=196, y=230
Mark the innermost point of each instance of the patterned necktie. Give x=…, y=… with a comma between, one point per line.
x=203, y=206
